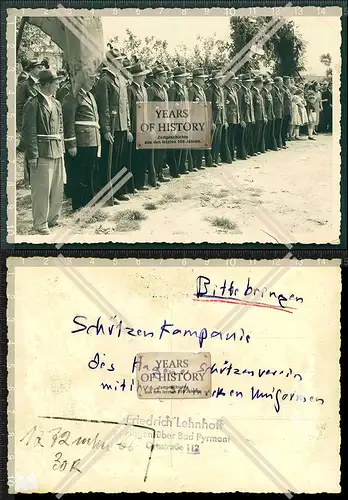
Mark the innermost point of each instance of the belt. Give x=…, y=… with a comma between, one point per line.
x=50, y=136
x=88, y=123
x=92, y=124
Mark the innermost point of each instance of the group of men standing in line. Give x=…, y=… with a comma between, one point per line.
x=84, y=140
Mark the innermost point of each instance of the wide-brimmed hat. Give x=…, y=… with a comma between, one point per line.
x=33, y=63
x=49, y=76
x=113, y=54
x=180, y=71
x=199, y=72
x=138, y=69
x=246, y=77
x=127, y=63
x=231, y=76
x=258, y=79
x=158, y=70
x=216, y=75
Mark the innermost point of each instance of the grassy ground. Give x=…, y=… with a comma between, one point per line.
x=295, y=187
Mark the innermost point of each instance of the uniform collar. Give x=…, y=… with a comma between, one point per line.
x=158, y=85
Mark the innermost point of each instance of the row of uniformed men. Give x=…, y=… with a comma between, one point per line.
x=100, y=131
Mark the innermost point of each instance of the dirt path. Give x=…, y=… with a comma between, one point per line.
x=288, y=195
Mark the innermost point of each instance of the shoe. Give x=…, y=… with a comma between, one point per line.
x=258, y=153
x=194, y=169
x=135, y=191
x=123, y=197
x=285, y=147
x=254, y=154
x=164, y=179
x=116, y=202
x=42, y=231
x=215, y=165
x=201, y=168
x=185, y=172
x=143, y=188
x=219, y=164
x=53, y=224
x=176, y=176
x=312, y=138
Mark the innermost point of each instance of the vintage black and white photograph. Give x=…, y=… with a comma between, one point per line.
x=175, y=126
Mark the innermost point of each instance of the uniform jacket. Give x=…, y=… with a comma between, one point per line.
x=136, y=93
x=246, y=109
x=39, y=119
x=25, y=89
x=111, y=95
x=287, y=101
x=23, y=76
x=268, y=103
x=278, y=106
x=231, y=105
x=177, y=92
x=196, y=94
x=157, y=93
x=80, y=108
x=215, y=95
x=258, y=104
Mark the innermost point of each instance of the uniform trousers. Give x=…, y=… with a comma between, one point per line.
x=82, y=170
x=277, y=131
x=197, y=158
x=285, y=128
x=47, y=184
x=240, y=142
x=141, y=160
x=116, y=164
x=232, y=139
x=249, y=140
x=225, y=153
x=159, y=156
x=259, y=136
x=270, y=141
x=212, y=156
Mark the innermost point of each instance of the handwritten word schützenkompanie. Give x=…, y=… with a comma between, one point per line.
x=246, y=295
x=116, y=330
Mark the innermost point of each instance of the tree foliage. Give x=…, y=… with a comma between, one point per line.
x=284, y=50
x=208, y=51
x=326, y=59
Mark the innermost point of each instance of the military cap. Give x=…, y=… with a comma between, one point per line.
x=278, y=79
x=286, y=77
x=127, y=63
x=267, y=80
x=180, y=71
x=33, y=63
x=138, y=69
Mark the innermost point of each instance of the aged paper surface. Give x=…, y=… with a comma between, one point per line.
x=273, y=333
x=286, y=196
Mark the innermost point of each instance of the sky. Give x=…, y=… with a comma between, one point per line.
x=321, y=33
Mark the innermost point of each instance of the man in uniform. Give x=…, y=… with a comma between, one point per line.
x=232, y=113
x=196, y=94
x=42, y=133
x=82, y=141
x=270, y=141
x=287, y=110
x=259, y=115
x=149, y=78
x=112, y=100
x=179, y=93
x=157, y=93
x=27, y=88
x=215, y=95
x=278, y=108
x=140, y=159
x=247, y=120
